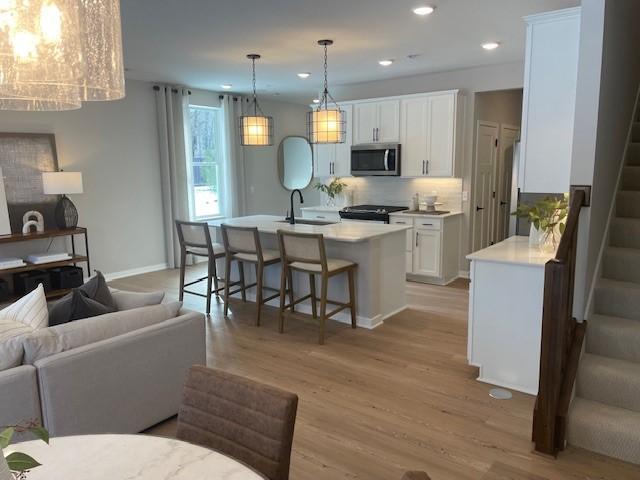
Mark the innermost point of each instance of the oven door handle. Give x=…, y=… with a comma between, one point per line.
x=386, y=160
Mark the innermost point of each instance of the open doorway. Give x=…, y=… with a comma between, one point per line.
x=496, y=137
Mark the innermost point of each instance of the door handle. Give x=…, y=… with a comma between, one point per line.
x=386, y=159
x=479, y=208
x=502, y=204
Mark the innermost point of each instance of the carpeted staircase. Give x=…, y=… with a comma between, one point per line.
x=605, y=415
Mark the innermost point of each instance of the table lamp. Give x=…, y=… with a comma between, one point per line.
x=63, y=183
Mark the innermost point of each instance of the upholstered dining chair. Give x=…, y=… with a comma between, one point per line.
x=242, y=245
x=249, y=421
x=415, y=475
x=305, y=252
x=195, y=239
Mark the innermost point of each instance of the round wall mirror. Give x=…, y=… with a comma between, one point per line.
x=295, y=162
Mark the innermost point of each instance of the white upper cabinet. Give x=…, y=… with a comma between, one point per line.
x=334, y=159
x=429, y=135
x=377, y=122
x=550, y=79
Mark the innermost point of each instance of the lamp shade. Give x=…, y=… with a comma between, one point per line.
x=326, y=126
x=256, y=130
x=62, y=183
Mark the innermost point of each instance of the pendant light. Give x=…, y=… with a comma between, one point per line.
x=54, y=54
x=326, y=124
x=256, y=129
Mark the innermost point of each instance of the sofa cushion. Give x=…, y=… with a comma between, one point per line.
x=98, y=290
x=30, y=310
x=67, y=336
x=125, y=300
x=11, y=337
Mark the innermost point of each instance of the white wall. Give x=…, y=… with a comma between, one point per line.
x=264, y=192
x=115, y=146
x=471, y=81
x=608, y=80
x=503, y=106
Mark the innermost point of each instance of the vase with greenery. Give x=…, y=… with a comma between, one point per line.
x=548, y=217
x=331, y=190
x=16, y=465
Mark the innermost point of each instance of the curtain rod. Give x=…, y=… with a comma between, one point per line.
x=220, y=97
x=174, y=90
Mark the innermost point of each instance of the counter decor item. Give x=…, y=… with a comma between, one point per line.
x=16, y=465
x=30, y=219
x=63, y=183
x=331, y=190
x=548, y=217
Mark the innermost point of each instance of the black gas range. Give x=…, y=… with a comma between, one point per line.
x=371, y=213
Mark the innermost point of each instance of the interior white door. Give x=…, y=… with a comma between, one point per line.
x=365, y=120
x=485, y=162
x=342, y=158
x=441, y=113
x=426, y=254
x=414, y=137
x=388, y=124
x=509, y=134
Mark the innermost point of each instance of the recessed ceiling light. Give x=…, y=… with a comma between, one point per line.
x=226, y=86
x=304, y=74
x=424, y=10
x=316, y=100
x=490, y=45
x=385, y=63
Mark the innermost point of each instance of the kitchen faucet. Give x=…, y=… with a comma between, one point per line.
x=292, y=217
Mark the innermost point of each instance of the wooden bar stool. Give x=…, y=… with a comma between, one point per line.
x=242, y=245
x=305, y=252
x=195, y=239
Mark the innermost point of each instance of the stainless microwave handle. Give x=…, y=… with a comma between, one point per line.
x=386, y=159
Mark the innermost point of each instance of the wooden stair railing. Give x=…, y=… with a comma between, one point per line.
x=562, y=337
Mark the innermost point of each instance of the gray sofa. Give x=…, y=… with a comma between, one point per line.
x=122, y=384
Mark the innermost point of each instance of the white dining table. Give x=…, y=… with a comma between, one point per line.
x=129, y=457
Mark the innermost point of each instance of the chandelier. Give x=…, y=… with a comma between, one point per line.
x=55, y=54
x=326, y=124
x=256, y=129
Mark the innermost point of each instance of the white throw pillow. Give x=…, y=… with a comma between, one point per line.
x=30, y=310
x=11, y=348
x=60, y=338
x=126, y=300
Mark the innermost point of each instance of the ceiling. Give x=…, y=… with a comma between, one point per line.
x=203, y=43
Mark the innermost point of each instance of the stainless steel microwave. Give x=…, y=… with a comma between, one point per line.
x=375, y=160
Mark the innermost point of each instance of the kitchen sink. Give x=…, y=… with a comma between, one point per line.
x=304, y=221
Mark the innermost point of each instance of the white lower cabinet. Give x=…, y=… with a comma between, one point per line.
x=432, y=247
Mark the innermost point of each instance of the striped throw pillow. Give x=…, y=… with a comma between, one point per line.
x=30, y=310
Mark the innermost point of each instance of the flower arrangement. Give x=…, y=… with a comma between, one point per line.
x=16, y=464
x=549, y=217
x=334, y=188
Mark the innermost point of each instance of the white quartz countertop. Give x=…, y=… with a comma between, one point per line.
x=340, y=232
x=514, y=250
x=323, y=208
x=424, y=215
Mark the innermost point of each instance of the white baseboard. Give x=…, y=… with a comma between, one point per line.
x=134, y=271
x=463, y=274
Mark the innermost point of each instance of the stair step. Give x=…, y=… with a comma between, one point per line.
x=614, y=337
x=610, y=381
x=635, y=132
x=617, y=299
x=622, y=264
x=631, y=177
x=604, y=429
x=628, y=204
x=625, y=232
x=633, y=154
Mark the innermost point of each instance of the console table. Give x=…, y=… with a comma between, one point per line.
x=50, y=234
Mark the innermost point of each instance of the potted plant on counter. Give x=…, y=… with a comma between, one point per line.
x=16, y=465
x=548, y=219
x=333, y=189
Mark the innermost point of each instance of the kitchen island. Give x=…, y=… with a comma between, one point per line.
x=378, y=249
x=505, y=313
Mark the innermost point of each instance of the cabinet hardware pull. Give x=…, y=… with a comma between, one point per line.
x=426, y=171
x=398, y=223
x=428, y=224
x=479, y=208
x=373, y=134
x=320, y=216
x=422, y=167
x=417, y=239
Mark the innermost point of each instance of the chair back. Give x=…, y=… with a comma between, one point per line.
x=244, y=419
x=241, y=240
x=302, y=247
x=194, y=234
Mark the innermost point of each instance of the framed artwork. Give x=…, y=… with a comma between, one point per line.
x=23, y=159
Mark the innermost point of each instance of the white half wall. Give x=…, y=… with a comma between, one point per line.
x=115, y=146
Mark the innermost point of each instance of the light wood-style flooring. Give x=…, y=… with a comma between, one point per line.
x=374, y=403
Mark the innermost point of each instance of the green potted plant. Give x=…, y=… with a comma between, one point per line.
x=333, y=189
x=16, y=465
x=548, y=219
